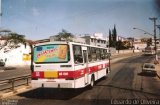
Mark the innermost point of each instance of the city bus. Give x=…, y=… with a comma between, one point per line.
x=68, y=65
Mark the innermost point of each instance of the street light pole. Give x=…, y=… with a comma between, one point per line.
x=145, y=32
x=154, y=21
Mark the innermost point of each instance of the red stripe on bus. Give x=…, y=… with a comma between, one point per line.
x=71, y=74
x=93, y=69
x=106, y=65
x=96, y=68
x=38, y=74
x=65, y=74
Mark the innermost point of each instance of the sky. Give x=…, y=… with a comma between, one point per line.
x=39, y=19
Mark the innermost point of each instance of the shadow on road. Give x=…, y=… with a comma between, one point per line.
x=148, y=74
x=158, y=76
x=52, y=93
x=132, y=90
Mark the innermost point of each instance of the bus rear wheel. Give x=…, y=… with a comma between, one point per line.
x=92, y=82
x=107, y=71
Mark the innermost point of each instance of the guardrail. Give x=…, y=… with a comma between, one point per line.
x=11, y=81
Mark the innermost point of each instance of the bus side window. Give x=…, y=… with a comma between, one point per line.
x=85, y=56
x=105, y=54
x=89, y=54
x=93, y=52
x=102, y=54
x=77, y=52
x=98, y=54
x=78, y=59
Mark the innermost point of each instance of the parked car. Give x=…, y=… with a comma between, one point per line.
x=2, y=63
x=149, y=67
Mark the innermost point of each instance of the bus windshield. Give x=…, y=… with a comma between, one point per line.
x=51, y=53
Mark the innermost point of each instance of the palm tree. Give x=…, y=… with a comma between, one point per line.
x=64, y=35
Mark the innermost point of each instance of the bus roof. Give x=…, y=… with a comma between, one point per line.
x=60, y=42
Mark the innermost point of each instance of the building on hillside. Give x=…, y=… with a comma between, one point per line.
x=120, y=38
x=41, y=41
x=157, y=43
x=97, y=39
x=139, y=45
x=74, y=39
x=152, y=42
x=17, y=57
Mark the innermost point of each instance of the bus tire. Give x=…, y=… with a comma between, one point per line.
x=107, y=70
x=92, y=82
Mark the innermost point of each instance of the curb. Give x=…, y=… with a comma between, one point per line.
x=16, y=91
x=127, y=55
x=1, y=70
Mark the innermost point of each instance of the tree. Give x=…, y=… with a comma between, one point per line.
x=12, y=40
x=64, y=35
x=15, y=39
x=119, y=45
x=110, y=38
x=114, y=33
x=114, y=37
x=126, y=44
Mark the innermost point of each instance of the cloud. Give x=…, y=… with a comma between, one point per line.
x=35, y=12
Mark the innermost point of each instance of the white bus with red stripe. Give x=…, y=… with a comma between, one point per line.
x=68, y=65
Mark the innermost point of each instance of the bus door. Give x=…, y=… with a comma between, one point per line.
x=85, y=59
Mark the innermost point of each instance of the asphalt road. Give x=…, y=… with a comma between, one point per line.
x=14, y=72
x=124, y=82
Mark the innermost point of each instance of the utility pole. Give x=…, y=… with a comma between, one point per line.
x=0, y=13
x=109, y=49
x=158, y=26
x=154, y=21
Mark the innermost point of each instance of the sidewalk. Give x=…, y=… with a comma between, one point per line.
x=118, y=55
x=157, y=67
x=14, y=68
x=7, y=68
